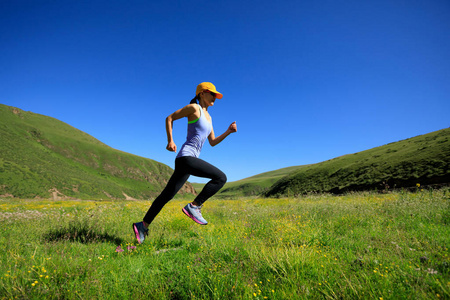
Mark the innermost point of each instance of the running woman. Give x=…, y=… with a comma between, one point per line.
x=187, y=162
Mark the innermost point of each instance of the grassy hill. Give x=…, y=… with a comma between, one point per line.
x=423, y=159
x=251, y=186
x=44, y=157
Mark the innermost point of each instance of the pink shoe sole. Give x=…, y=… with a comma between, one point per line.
x=192, y=217
x=136, y=233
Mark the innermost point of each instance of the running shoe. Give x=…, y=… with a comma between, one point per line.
x=140, y=231
x=195, y=213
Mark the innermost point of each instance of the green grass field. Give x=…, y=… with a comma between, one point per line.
x=355, y=246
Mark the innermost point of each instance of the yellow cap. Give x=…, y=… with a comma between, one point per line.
x=208, y=86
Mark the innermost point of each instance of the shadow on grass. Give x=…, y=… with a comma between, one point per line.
x=82, y=233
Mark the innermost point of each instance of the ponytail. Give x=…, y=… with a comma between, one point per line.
x=195, y=100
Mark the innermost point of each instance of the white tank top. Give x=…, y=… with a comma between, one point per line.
x=198, y=132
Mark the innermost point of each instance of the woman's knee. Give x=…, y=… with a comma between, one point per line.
x=222, y=178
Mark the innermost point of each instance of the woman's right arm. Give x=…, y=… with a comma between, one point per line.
x=181, y=113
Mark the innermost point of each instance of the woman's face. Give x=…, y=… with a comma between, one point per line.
x=208, y=97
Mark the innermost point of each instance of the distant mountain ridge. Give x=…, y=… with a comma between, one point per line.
x=42, y=157
x=423, y=160
x=45, y=158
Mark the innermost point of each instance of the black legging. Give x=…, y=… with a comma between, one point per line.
x=184, y=167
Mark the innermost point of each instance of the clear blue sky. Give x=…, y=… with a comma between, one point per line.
x=306, y=81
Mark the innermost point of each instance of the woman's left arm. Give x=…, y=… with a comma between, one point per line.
x=213, y=140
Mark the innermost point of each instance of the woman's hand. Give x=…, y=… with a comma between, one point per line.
x=213, y=140
x=233, y=127
x=171, y=146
